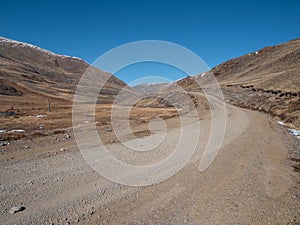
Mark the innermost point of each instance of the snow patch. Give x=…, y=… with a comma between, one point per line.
x=178, y=80
x=281, y=123
x=16, y=131
x=40, y=116
x=23, y=45
x=256, y=53
x=12, y=131
x=295, y=132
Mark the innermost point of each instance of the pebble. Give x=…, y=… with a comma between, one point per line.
x=62, y=149
x=30, y=182
x=3, y=143
x=16, y=209
x=79, y=217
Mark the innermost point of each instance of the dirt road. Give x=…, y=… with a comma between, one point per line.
x=251, y=181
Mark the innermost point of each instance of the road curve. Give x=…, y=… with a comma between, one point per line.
x=249, y=182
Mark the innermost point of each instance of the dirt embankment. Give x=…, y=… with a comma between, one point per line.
x=267, y=80
x=284, y=106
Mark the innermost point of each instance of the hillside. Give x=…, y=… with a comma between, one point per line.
x=39, y=71
x=55, y=179
x=30, y=77
x=267, y=80
x=150, y=88
x=274, y=68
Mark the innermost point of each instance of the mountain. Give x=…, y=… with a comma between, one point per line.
x=275, y=68
x=26, y=68
x=267, y=80
x=32, y=78
x=37, y=89
x=150, y=88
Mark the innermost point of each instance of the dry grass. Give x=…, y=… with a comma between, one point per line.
x=59, y=119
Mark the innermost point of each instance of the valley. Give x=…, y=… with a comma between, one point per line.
x=254, y=178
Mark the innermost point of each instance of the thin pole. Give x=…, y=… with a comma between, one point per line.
x=49, y=105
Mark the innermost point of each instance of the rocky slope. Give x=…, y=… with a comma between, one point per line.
x=150, y=88
x=275, y=68
x=267, y=80
x=39, y=71
x=32, y=78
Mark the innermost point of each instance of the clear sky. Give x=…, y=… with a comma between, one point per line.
x=215, y=30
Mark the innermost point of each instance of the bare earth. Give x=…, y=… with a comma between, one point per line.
x=250, y=182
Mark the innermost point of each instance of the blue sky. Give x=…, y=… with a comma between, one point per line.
x=215, y=30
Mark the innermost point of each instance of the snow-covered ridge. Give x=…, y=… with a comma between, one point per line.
x=14, y=43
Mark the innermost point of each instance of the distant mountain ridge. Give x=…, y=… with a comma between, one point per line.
x=150, y=88
x=267, y=80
